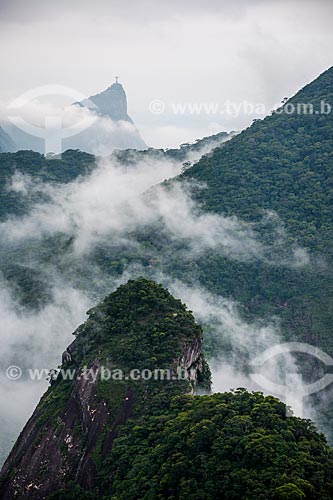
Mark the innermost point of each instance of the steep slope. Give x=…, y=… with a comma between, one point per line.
x=282, y=163
x=111, y=127
x=6, y=143
x=139, y=327
x=111, y=105
x=124, y=439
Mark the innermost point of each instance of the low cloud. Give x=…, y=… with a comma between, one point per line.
x=32, y=339
x=234, y=344
x=117, y=205
x=113, y=203
x=53, y=127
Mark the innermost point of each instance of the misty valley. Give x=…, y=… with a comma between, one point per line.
x=166, y=312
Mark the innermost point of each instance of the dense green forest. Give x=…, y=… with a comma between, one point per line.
x=232, y=445
x=235, y=445
x=282, y=164
x=41, y=170
x=152, y=439
x=73, y=164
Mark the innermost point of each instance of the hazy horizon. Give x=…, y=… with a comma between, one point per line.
x=252, y=52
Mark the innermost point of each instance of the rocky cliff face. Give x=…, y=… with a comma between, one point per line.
x=140, y=327
x=115, y=129
x=112, y=103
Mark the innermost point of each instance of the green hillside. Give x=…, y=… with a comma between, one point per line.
x=40, y=170
x=282, y=163
x=149, y=439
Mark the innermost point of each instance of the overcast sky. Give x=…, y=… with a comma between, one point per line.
x=176, y=51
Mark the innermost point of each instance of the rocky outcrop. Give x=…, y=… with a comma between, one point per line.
x=74, y=425
x=192, y=360
x=47, y=452
x=114, y=129
x=111, y=130
x=112, y=103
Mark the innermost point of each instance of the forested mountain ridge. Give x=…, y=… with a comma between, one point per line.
x=139, y=327
x=282, y=163
x=39, y=169
x=74, y=163
x=152, y=439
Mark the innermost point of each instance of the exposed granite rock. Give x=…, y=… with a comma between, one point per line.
x=192, y=360
x=74, y=419
x=112, y=102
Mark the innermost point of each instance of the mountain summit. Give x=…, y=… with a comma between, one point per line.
x=139, y=330
x=114, y=129
x=149, y=439
x=111, y=103
x=111, y=129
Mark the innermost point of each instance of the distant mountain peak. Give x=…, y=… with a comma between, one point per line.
x=7, y=145
x=111, y=102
